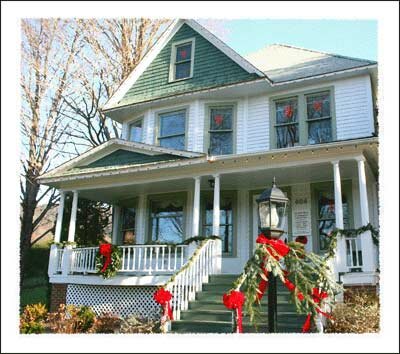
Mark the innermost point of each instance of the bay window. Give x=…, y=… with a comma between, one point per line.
x=172, y=129
x=220, y=130
x=136, y=131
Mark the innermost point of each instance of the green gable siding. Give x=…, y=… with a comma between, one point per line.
x=123, y=157
x=212, y=68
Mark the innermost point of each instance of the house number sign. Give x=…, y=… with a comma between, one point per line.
x=301, y=210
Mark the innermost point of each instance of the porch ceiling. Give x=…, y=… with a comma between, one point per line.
x=249, y=180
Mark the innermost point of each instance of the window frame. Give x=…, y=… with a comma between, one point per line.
x=207, y=124
x=158, y=125
x=303, y=121
x=132, y=122
x=223, y=193
x=123, y=204
x=172, y=66
x=328, y=186
x=182, y=196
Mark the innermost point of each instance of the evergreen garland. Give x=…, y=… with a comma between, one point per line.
x=113, y=267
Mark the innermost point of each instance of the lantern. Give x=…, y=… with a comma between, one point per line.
x=272, y=205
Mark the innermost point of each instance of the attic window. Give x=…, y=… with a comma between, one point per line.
x=182, y=56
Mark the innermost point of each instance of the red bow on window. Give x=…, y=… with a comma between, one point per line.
x=183, y=54
x=317, y=105
x=288, y=111
x=218, y=119
x=105, y=250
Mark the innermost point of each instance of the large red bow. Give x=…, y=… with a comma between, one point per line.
x=105, y=250
x=234, y=301
x=318, y=295
x=280, y=247
x=163, y=297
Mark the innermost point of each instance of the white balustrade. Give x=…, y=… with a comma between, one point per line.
x=354, y=253
x=84, y=260
x=59, y=255
x=189, y=279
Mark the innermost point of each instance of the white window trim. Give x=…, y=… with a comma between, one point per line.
x=173, y=57
x=135, y=121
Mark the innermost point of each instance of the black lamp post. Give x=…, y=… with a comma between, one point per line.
x=272, y=205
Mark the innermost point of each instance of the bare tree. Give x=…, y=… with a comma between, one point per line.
x=49, y=50
x=114, y=48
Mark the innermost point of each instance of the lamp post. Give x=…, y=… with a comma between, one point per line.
x=272, y=205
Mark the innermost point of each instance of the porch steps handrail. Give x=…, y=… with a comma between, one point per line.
x=189, y=279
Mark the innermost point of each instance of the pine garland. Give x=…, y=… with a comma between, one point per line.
x=113, y=267
x=306, y=271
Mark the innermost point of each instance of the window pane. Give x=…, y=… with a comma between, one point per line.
x=225, y=233
x=172, y=123
x=135, y=132
x=287, y=136
x=176, y=142
x=182, y=70
x=221, y=118
x=221, y=143
x=167, y=221
x=128, y=218
x=319, y=131
x=326, y=205
x=184, y=52
x=286, y=111
x=318, y=106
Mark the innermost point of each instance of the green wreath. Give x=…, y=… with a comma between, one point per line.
x=113, y=266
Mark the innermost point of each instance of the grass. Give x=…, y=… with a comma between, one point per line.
x=35, y=287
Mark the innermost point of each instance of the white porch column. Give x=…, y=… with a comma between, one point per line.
x=340, y=256
x=196, y=207
x=60, y=213
x=72, y=221
x=367, y=247
x=115, y=226
x=57, y=237
x=216, y=206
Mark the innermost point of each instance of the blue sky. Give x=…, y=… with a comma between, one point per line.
x=355, y=38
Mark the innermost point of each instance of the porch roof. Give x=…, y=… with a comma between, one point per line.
x=177, y=170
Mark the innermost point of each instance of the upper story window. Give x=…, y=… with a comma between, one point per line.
x=172, y=130
x=136, y=131
x=319, y=118
x=182, y=58
x=286, y=123
x=305, y=118
x=221, y=130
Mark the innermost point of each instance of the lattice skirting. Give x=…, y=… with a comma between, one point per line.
x=119, y=300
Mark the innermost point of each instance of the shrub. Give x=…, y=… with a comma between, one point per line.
x=71, y=319
x=106, y=323
x=134, y=324
x=359, y=314
x=32, y=319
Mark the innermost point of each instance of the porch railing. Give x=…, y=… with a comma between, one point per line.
x=205, y=261
x=141, y=259
x=354, y=259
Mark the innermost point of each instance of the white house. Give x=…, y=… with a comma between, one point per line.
x=204, y=131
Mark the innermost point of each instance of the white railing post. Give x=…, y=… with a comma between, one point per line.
x=340, y=254
x=67, y=260
x=53, y=259
x=196, y=207
x=115, y=226
x=72, y=221
x=217, y=256
x=216, y=206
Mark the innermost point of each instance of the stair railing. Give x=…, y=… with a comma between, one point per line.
x=183, y=285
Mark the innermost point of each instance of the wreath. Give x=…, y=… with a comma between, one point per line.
x=108, y=260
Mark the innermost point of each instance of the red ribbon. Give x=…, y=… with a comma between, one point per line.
x=263, y=285
x=280, y=247
x=288, y=111
x=234, y=301
x=317, y=105
x=289, y=285
x=307, y=324
x=105, y=250
x=300, y=296
x=163, y=297
x=324, y=313
x=318, y=295
x=218, y=119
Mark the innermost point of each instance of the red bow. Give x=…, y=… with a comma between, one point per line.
x=218, y=119
x=317, y=105
x=302, y=239
x=234, y=301
x=280, y=247
x=163, y=297
x=307, y=324
x=288, y=111
x=289, y=285
x=183, y=54
x=300, y=296
x=318, y=295
x=105, y=250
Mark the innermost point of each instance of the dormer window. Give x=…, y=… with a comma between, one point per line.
x=182, y=57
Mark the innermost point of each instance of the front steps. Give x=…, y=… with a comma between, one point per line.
x=207, y=314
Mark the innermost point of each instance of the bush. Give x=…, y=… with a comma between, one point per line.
x=359, y=314
x=71, y=319
x=106, y=323
x=134, y=324
x=33, y=319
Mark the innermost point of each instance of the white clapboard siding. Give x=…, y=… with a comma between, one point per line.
x=257, y=129
x=195, y=116
x=149, y=124
x=353, y=104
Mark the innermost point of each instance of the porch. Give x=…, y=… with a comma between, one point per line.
x=347, y=169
